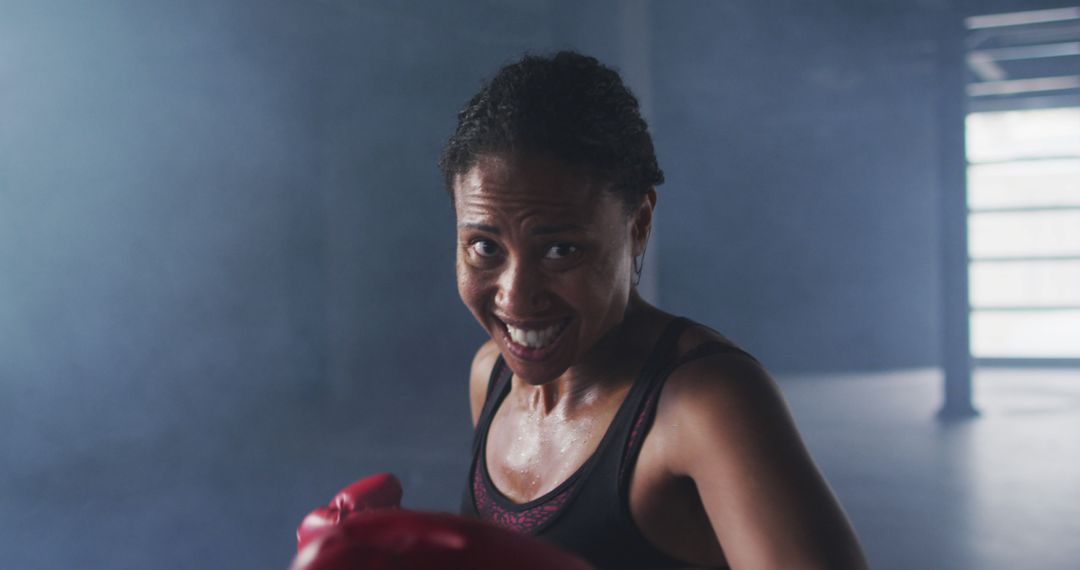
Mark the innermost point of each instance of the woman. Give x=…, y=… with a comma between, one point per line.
x=603, y=424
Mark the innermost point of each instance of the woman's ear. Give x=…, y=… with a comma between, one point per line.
x=643, y=221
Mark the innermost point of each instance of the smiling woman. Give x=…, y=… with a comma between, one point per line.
x=605, y=425
x=545, y=256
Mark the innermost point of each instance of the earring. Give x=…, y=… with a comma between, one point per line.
x=639, y=264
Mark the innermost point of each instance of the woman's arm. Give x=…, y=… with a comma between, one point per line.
x=767, y=502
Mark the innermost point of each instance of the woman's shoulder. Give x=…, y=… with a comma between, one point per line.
x=697, y=335
x=719, y=392
x=724, y=424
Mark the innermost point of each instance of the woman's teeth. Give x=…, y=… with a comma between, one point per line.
x=535, y=338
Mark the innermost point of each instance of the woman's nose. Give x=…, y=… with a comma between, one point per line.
x=521, y=291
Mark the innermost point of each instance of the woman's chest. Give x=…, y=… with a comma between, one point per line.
x=527, y=460
x=528, y=456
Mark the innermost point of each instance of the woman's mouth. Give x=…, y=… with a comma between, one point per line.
x=533, y=343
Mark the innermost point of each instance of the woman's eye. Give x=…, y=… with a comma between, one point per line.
x=561, y=251
x=484, y=248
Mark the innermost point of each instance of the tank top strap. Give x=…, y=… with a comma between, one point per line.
x=645, y=411
x=498, y=381
x=623, y=424
x=664, y=349
x=635, y=426
x=708, y=349
x=495, y=377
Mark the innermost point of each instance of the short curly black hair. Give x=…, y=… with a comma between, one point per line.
x=567, y=106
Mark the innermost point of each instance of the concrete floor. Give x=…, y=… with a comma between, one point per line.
x=1001, y=491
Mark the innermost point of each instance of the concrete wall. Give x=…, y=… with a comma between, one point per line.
x=160, y=294
x=804, y=147
x=799, y=216
x=227, y=274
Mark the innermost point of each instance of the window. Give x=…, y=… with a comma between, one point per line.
x=1023, y=151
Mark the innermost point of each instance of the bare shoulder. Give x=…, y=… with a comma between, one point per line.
x=725, y=387
x=726, y=395
x=482, y=363
x=728, y=428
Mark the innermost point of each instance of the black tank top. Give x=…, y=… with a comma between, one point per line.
x=589, y=513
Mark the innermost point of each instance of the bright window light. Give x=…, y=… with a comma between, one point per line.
x=1043, y=183
x=1016, y=135
x=1024, y=233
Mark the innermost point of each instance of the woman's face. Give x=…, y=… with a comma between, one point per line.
x=543, y=259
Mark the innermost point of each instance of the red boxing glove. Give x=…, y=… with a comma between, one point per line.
x=400, y=539
x=379, y=491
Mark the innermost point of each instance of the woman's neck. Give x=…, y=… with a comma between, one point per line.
x=604, y=370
